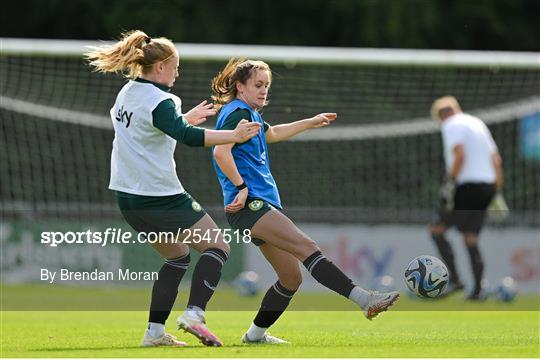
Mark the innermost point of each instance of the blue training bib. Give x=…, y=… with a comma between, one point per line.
x=251, y=160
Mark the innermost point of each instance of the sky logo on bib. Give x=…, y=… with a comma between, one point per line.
x=255, y=205
x=121, y=115
x=196, y=206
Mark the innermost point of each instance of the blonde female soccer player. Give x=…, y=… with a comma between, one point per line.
x=252, y=200
x=148, y=122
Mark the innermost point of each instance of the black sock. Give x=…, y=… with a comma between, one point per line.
x=166, y=288
x=206, y=277
x=447, y=255
x=328, y=274
x=477, y=266
x=274, y=303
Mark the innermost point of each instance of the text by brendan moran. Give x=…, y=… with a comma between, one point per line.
x=96, y=275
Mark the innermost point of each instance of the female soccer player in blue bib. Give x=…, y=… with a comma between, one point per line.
x=148, y=121
x=252, y=200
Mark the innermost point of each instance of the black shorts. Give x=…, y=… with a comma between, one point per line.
x=249, y=215
x=470, y=203
x=160, y=213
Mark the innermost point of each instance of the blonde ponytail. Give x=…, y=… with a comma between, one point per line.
x=132, y=55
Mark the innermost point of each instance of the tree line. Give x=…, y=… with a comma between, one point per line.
x=430, y=24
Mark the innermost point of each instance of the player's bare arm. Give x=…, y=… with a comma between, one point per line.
x=286, y=131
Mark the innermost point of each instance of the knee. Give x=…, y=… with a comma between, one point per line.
x=171, y=251
x=305, y=248
x=436, y=230
x=291, y=280
x=471, y=240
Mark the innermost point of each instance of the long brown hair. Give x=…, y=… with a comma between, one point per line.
x=237, y=70
x=132, y=55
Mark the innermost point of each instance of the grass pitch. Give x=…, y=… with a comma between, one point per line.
x=397, y=333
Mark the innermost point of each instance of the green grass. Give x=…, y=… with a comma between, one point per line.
x=115, y=297
x=446, y=330
x=312, y=334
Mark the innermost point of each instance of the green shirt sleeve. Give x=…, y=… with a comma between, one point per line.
x=234, y=118
x=166, y=119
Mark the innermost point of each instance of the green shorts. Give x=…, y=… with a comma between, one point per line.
x=249, y=215
x=160, y=213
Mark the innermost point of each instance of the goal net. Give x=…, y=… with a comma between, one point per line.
x=380, y=162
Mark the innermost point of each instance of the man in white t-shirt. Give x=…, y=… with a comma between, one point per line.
x=473, y=175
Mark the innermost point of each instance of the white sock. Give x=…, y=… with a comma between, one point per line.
x=359, y=296
x=255, y=332
x=156, y=330
x=195, y=312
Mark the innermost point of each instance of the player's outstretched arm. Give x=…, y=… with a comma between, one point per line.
x=165, y=118
x=244, y=131
x=285, y=131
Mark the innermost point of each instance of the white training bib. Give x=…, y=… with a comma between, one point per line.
x=142, y=161
x=473, y=134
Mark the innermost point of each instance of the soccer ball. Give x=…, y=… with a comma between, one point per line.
x=506, y=289
x=384, y=283
x=247, y=283
x=426, y=276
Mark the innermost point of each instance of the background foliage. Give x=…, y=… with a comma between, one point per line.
x=435, y=24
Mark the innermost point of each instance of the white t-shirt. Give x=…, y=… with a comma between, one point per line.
x=473, y=134
x=142, y=161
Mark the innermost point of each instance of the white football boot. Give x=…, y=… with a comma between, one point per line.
x=195, y=324
x=266, y=339
x=164, y=340
x=379, y=302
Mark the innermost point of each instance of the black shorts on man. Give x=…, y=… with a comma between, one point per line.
x=470, y=203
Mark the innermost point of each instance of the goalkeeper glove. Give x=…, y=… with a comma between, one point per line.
x=447, y=192
x=498, y=209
